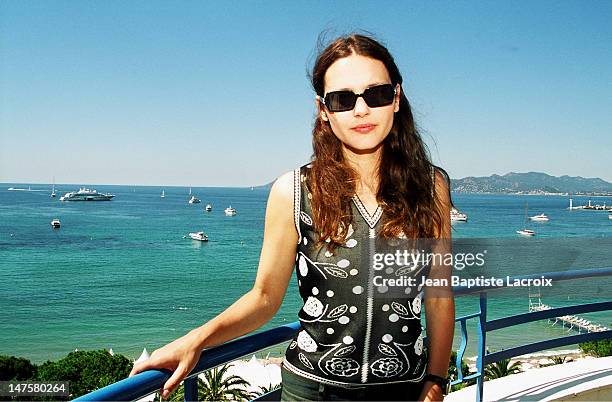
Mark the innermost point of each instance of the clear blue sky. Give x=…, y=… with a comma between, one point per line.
x=215, y=93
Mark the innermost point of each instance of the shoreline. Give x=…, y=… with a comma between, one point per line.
x=534, y=360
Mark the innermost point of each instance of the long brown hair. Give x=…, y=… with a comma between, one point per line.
x=406, y=189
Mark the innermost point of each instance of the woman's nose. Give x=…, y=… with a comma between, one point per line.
x=361, y=107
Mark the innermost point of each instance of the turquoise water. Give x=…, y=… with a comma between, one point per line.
x=120, y=274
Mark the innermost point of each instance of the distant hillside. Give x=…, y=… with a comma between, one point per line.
x=524, y=183
x=531, y=182
x=265, y=186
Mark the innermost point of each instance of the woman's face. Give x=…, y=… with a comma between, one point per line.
x=363, y=129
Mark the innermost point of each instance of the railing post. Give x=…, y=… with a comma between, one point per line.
x=482, y=348
x=190, y=387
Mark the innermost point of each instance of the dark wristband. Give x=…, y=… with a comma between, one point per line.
x=442, y=382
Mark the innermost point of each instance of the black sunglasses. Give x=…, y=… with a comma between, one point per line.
x=341, y=101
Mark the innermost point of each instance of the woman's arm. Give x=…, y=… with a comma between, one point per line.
x=439, y=301
x=253, y=309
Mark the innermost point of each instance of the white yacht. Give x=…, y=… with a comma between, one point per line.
x=199, y=236
x=194, y=200
x=55, y=223
x=457, y=216
x=229, y=211
x=526, y=232
x=539, y=218
x=163, y=194
x=85, y=194
x=208, y=208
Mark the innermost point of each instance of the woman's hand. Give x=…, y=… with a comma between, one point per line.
x=179, y=356
x=431, y=392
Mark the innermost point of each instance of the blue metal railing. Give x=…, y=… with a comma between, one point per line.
x=151, y=381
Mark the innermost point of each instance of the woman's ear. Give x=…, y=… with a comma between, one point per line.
x=321, y=112
x=398, y=91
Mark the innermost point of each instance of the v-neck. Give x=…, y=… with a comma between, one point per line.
x=371, y=219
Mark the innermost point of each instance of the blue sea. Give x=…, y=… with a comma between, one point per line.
x=121, y=275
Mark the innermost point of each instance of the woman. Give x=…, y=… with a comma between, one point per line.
x=370, y=179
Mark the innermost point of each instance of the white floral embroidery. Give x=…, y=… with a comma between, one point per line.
x=386, y=367
x=313, y=307
x=303, y=266
x=416, y=305
x=305, y=342
x=418, y=345
x=337, y=312
x=342, y=366
x=305, y=361
x=305, y=218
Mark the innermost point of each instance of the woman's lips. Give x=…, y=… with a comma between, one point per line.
x=364, y=128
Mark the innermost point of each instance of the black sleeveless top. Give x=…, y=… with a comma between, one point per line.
x=350, y=333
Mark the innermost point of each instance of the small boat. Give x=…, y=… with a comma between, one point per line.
x=208, y=208
x=194, y=200
x=539, y=218
x=163, y=194
x=53, y=195
x=457, y=216
x=55, y=223
x=525, y=231
x=199, y=236
x=610, y=215
x=229, y=211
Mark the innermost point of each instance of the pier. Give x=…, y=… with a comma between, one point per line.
x=589, y=206
x=572, y=321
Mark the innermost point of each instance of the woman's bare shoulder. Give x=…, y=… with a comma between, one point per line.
x=283, y=187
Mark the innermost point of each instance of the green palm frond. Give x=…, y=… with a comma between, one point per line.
x=215, y=388
x=264, y=390
x=501, y=368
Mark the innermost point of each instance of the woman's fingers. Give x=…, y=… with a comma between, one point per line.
x=153, y=362
x=178, y=356
x=140, y=367
x=174, y=380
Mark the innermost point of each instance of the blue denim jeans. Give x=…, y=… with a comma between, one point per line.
x=296, y=388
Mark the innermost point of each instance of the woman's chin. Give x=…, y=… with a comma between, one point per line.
x=363, y=147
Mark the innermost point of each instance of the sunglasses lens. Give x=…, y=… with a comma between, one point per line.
x=381, y=95
x=340, y=101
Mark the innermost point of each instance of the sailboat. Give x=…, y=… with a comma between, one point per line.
x=53, y=189
x=192, y=198
x=163, y=194
x=525, y=231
